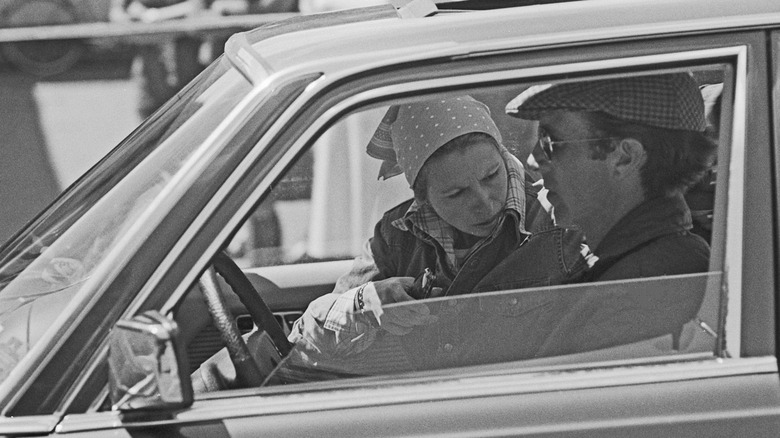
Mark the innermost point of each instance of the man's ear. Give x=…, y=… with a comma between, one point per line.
x=628, y=158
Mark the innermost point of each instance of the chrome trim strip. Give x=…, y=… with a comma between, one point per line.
x=598, y=34
x=90, y=422
x=28, y=425
x=246, y=60
x=457, y=387
x=734, y=211
x=370, y=393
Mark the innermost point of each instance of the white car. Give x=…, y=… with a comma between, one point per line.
x=258, y=170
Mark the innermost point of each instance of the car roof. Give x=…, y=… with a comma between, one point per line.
x=372, y=37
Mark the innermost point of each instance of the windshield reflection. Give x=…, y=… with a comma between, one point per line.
x=44, y=267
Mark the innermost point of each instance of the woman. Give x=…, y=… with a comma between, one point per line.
x=474, y=225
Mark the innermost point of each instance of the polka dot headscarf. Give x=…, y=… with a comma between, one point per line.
x=409, y=134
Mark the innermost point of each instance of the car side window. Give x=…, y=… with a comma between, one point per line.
x=569, y=222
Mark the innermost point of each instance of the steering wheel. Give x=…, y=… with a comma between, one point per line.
x=248, y=373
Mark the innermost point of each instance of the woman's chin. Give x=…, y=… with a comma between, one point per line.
x=482, y=230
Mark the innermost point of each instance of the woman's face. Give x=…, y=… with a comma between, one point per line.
x=467, y=187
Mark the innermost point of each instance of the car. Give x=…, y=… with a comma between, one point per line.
x=249, y=194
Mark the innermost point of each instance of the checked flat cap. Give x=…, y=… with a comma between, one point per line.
x=671, y=101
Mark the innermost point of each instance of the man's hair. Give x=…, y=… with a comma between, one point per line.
x=460, y=144
x=676, y=159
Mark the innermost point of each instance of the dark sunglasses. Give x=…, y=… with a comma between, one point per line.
x=546, y=143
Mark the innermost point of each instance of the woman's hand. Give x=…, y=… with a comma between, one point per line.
x=394, y=289
x=400, y=320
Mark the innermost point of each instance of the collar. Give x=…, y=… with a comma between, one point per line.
x=651, y=219
x=422, y=220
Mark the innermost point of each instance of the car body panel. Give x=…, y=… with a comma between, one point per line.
x=724, y=396
x=519, y=29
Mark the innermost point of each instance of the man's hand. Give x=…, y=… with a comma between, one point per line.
x=401, y=319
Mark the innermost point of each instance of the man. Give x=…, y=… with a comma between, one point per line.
x=617, y=155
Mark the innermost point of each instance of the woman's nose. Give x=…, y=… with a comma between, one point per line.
x=482, y=197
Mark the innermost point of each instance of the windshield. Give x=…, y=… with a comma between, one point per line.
x=673, y=315
x=44, y=268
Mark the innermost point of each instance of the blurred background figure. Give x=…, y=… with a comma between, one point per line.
x=49, y=87
x=41, y=58
x=163, y=68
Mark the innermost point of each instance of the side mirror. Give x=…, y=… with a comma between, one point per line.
x=147, y=366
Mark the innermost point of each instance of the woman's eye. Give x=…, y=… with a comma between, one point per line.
x=491, y=175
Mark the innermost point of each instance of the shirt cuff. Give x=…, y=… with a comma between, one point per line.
x=352, y=329
x=341, y=315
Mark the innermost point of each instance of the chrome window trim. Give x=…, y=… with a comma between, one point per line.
x=416, y=391
x=625, y=32
x=32, y=424
x=735, y=204
x=255, y=403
